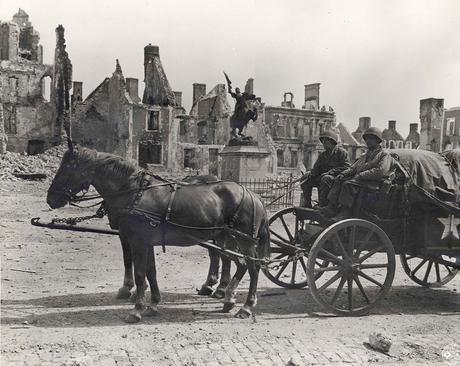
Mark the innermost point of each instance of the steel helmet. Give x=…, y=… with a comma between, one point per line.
x=373, y=131
x=329, y=134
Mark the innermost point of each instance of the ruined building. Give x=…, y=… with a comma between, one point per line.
x=295, y=131
x=413, y=138
x=431, y=114
x=451, y=129
x=157, y=132
x=392, y=139
x=32, y=94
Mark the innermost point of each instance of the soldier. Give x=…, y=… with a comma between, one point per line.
x=329, y=164
x=369, y=171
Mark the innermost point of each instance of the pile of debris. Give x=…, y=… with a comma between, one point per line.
x=15, y=166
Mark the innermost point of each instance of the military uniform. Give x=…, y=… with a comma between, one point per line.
x=369, y=171
x=328, y=165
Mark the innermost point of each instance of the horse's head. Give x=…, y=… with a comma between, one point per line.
x=71, y=178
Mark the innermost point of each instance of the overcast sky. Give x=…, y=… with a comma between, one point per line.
x=372, y=58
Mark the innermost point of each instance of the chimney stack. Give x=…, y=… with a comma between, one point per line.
x=178, y=98
x=132, y=87
x=150, y=52
x=413, y=127
x=312, y=96
x=392, y=125
x=364, y=123
x=199, y=90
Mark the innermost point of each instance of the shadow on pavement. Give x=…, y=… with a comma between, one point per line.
x=103, y=309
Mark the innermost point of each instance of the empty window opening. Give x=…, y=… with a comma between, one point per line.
x=153, y=120
x=149, y=153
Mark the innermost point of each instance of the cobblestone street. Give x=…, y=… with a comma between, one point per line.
x=59, y=307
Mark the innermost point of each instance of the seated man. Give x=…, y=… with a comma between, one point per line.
x=329, y=164
x=370, y=170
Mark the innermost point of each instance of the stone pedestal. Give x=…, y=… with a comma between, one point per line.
x=243, y=162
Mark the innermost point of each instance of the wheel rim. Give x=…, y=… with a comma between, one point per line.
x=427, y=272
x=361, y=271
x=287, y=230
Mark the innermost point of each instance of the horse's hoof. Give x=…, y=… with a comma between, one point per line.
x=133, y=317
x=243, y=313
x=219, y=293
x=124, y=293
x=205, y=291
x=228, y=306
x=132, y=298
x=150, y=311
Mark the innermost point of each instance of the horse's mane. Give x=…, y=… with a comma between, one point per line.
x=107, y=164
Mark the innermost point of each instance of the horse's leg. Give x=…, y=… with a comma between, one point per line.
x=154, y=290
x=140, y=244
x=259, y=251
x=253, y=269
x=224, y=278
x=229, y=300
x=128, y=282
x=213, y=273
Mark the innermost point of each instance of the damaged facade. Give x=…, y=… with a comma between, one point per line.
x=295, y=131
x=33, y=108
x=157, y=131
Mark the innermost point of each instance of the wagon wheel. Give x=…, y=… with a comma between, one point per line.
x=362, y=269
x=286, y=235
x=427, y=272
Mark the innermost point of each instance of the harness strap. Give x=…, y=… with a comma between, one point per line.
x=231, y=223
x=167, y=216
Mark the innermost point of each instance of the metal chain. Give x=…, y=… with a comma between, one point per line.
x=100, y=213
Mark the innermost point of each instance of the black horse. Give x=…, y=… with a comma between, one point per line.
x=148, y=211
x=214, y=256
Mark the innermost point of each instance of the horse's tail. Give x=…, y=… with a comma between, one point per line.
x=264, y=240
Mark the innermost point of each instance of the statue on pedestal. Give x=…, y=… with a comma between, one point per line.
x=244, y=112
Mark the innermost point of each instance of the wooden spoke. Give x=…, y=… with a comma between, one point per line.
x=351, y=240
x=438, y=276
x=330, y=281
x=342, y=248
x=370, y=279
x=361, y=288
x=350, y=293
x=277, y=250
x=338, y=290
x=294, y=270
x=279, y=236
x=428, y=270
x=371, y=253
x=287, y=229
x=331, y=256
x=376, y=265
x=304, y=266
x=363, y=242
x=327, y=269
x=283, y=267
x=418, y=267
x=281, y=256
x=410, y=257
x=448, y=269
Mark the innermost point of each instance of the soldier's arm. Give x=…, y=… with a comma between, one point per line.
x=316, y=167
x=381, y=168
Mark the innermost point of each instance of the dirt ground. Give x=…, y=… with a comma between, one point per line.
x=59, y=307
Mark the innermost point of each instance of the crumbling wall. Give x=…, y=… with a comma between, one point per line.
x=90, y=126
x=27, y=115
x=62, y=84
